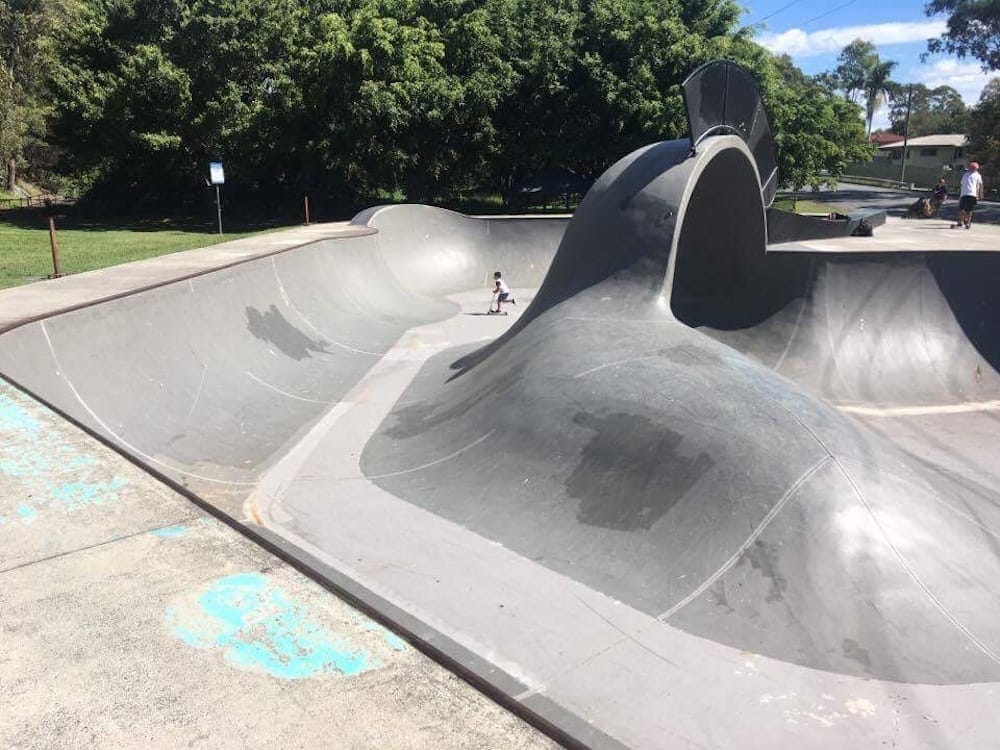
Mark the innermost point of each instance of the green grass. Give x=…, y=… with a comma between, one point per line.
x=802, y=206
x=25, y=253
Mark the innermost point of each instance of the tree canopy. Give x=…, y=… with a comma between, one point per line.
x=984, y=128
x=422, y=97
x=862, y=76
x=973, y=30
x=937, y=110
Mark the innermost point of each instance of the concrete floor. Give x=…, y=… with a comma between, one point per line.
x=129, y=618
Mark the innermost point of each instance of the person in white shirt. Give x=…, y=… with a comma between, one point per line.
x=501, y=292
x=972, y=191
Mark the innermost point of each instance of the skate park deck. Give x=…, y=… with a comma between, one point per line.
x=695, y=494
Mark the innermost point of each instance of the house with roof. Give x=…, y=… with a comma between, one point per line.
x=928, y=157
x=883, y=138
x=945, y=152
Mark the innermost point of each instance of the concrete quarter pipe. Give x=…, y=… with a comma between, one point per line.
x=701, y=493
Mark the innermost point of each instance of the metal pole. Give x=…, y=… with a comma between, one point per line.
x=218, y=206
x=906, y=133
x=57, y=271
x=306, y=201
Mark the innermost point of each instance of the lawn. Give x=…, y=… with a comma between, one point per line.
x=802, y=206
x=25, y=254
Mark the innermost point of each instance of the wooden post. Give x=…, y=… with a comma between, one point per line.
x=305, y=201
x=56, y=270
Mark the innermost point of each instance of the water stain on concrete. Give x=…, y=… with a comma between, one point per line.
x=631, y=472
x=258, y=626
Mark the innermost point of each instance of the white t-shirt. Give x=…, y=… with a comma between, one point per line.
x=972, y=183
x=502, y=286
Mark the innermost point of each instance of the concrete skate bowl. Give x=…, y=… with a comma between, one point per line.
x=646, y=514
x=210, y=378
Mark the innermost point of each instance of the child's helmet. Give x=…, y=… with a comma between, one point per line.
x=496, y=275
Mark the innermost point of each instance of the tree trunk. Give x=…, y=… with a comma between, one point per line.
x=11, y=174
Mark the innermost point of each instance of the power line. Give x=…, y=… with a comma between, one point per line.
x=774, y=13
x=833, y=10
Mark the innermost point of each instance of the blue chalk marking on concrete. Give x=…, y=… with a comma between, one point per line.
x=15, y=418
x=58, y=476
x=2, y=520
x=170, y=531
x=27, y=512
x=79, y=493
x=257, y=625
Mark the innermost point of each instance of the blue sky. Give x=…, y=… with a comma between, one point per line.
x=814, y=31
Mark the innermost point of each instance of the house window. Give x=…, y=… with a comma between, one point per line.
x=928, y=152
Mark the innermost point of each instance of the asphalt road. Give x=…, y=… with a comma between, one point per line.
x=851, y=197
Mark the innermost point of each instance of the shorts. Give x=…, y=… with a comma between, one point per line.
x=967, y=202
x=503, y=296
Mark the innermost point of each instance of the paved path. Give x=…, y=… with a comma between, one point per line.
x=851, y=197
x=43, y=298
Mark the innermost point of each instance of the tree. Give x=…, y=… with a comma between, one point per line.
x=856, y=62
x=973, y=30
x=878, y=88
x=938, y=110
x=818, y=133
x=25, y=57
x=425, y=98
x=862, y=76
x=984, y=129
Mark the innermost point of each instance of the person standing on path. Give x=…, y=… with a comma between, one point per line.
x=972, y=191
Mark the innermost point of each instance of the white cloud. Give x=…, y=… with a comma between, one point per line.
x=801, y=43
x=967, y=78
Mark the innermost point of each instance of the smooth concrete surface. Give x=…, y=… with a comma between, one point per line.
x=907, y=235
x=692, y=496
x=131, y=619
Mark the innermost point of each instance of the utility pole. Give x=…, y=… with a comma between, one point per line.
x=906, y=132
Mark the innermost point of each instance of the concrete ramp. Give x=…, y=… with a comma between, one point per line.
x=641, y=499
x=211, y=379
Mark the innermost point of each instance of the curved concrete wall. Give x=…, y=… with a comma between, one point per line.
x=211, y=378
x=678, y=476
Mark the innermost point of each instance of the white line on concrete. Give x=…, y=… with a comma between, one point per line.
x=914, y=576
x=789, y=494
x=288, y=303
x=919, y=411
x=791, y=339
x=441, y=460
x=286, y=393
x=118, y=438
x=197, y=395
x=630, y=360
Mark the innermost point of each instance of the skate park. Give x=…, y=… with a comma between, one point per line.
x=698, y=489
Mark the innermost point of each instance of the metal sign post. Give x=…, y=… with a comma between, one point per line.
x=217, y=177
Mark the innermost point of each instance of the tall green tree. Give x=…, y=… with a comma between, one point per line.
x=937, y=110
x=878, y=88
x=984, y=130
x=855, y=64
x=421, y=97
x=818, y=133
x=973, y=30
x=25, y=58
